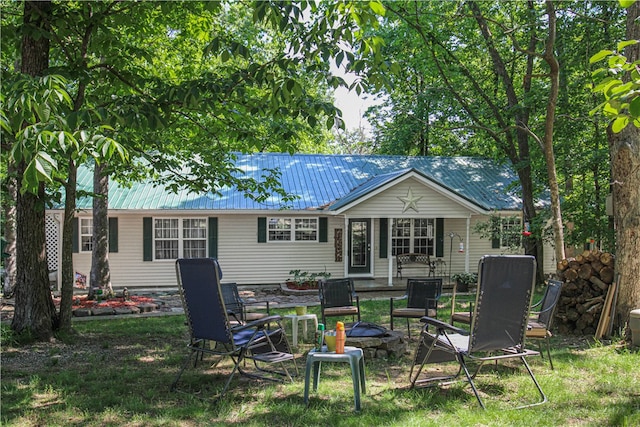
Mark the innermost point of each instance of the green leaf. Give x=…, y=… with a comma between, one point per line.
x=377, y=8
x=600, y=56
x=607, y=84
x=610, y=109
x=626, y=3
x=634, y=107
x=619, y=123
x=625, y=43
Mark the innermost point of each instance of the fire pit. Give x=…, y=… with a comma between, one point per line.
x=375, y=340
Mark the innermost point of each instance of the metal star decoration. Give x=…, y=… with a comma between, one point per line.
x=410, y=201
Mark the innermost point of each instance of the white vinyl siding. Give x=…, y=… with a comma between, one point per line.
x=389, y=205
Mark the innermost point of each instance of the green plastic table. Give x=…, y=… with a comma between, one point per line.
x=351, y=355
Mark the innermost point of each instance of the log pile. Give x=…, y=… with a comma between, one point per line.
x=587, y=278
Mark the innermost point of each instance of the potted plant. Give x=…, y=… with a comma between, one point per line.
x=304, y=279
x=463, y=280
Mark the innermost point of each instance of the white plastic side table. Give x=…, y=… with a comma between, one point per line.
x=294, y=325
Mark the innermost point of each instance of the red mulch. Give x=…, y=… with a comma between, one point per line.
x=82, y=301
x=301, y=287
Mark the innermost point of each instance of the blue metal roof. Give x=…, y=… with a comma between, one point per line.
x=324, y=181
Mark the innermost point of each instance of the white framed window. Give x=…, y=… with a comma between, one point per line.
x=511, y=232
x=86, y=234
x=413, y=235
x=282, y=229
x=179, y=238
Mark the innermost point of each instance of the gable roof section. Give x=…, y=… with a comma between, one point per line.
x=379, y=183
x=326, y=182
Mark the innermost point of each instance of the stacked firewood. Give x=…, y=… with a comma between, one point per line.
x=587, y=278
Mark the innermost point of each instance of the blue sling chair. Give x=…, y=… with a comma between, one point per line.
x=262, y=341
x=498, y=326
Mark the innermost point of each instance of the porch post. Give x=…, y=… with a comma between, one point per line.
x=466, y=253
x=389, y=257
x=347, y=258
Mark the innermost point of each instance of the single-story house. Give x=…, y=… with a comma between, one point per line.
x=353, y=215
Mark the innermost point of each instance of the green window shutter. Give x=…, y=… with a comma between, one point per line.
x=213, y=237
x=439, y=237
x=76, y=235
x=323, y=230
x=113, y=234
x=147, y=239
x=262, y=229
x=384, y=237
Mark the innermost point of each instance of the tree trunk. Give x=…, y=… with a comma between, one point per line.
x=10, y=230
x=68, y=273
x=100, y=273
x=35, y=312
x=550, y=159
x=34, y=309
x=624, y=148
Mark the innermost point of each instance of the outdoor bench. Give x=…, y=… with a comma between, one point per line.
x=421, y=261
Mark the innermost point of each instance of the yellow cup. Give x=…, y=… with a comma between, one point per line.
x=330, y=340
x=301, y=310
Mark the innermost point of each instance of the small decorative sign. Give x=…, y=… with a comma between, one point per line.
x=337, y=242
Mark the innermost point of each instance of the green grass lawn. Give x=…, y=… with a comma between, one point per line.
x=118, y=372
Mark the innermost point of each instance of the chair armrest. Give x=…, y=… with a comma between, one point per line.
x=392, y=299
x=231, y=313
x=258, y=323
x=442, y=326
x=536, y=304
x=542, y=311
x=245, y=303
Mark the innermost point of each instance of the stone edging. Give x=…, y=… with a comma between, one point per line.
x=288, y=291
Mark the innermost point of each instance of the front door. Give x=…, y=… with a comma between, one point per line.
x=359, y=246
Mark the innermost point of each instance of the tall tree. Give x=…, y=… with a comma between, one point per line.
x=624, y=147
x=550, y=58
x=492, y=86
x=34, y=309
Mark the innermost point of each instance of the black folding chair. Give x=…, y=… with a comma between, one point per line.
x=238, y=309
x=539, y=328
x=263, y=341
x=337, y=298
x=422, y=300
x=498, y=325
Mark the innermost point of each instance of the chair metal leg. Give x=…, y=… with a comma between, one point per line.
x=470, y=379
x=184, y=366
x=549, y=352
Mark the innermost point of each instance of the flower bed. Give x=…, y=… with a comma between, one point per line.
x=83, y=301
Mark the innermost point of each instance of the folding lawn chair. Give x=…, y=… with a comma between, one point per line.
x=237, y=308
x=263, y=341
x=498, y=325
x=337, y=298
x=422, y=300
x=539, y=328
